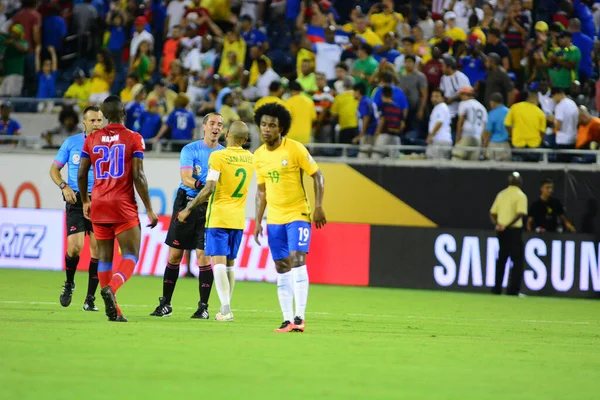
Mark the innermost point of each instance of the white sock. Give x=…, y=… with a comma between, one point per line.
x=300, y=276
x=231, y=278
x=222, y=284
x=286, y=295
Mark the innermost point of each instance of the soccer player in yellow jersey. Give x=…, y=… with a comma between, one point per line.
x=229, y=174
x=280, y=163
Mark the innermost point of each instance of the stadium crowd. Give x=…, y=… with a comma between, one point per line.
x=496, y=75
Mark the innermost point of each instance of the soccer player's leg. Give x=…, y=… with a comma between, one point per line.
x=299, y=233
x=222, y=246
x=129, y=236
x=105, y=240
x=205, y=275
x=75, y=240
x=93, y=281
x=180, y=237
x=278, y=243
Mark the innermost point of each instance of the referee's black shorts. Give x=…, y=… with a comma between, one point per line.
x=188, y=235
x=76, y=222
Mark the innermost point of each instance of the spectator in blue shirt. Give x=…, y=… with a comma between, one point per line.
x=117, y=39
x=149, y=123
x=496, y=142
x=398, y=97
x=8, y=126
x=388, y=49
x=253, y=37
x=367, y=115
x=46, y=72
x=181, y=123
x=134, y=108
x=585, y=44
x=54, y=29
x=585, y=15
x=472, y=65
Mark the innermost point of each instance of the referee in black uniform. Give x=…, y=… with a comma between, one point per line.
x=507, y=214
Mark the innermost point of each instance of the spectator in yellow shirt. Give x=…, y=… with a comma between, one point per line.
x=362, y=30
x=526, y=123
x=385, y=19
x=233, y=42
x=228, y=111
x=303, y=112
x=308, y=80
x=453, y=31
x=127, y=93
x=345, y=108
x=275, y=93
x=79, y=89
x=255, y=53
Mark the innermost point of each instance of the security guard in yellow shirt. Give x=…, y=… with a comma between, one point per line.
x=507, y=214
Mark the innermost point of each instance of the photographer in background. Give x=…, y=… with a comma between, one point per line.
x=545, y=212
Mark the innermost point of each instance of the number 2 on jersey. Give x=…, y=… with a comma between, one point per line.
x=114, y=156
x=237, y=194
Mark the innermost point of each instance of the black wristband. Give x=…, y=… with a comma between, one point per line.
x=198, y=184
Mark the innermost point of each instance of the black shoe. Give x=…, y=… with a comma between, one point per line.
x=88, y=304
x=110, y=302
x=163, y=309
x=202, y=312
x=67, y=294
x=119, y=318
x=189, y=274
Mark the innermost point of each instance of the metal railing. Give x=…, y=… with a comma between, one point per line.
x=346, y=152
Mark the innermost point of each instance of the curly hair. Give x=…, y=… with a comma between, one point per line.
x=278, y=111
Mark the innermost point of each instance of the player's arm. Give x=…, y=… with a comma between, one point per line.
x=319, y=183
x=82, y=182
x=59, y=161
x=461, y=122
x=200, y=198
x=261, y=205
x=530, y=224
x=186, y=163
x=141, y=186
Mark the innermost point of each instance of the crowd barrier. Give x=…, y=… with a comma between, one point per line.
x=345, y=254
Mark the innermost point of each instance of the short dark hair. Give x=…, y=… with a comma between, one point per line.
x=342, y=66
x=113, y=109
x=90, y=108
x=274, y=86
x=387, y=92
x=227, y=97
x=557, y=90
x=387, y=77
x=495, y=32
x=410, y=57
x=546, y=181
x=497, y=98
x=295, y=86
x=361, y=88
x=275, y=110
x=437, y=89
x=261, y=61
x=366, y=47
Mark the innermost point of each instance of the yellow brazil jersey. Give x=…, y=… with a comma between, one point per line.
x=79, y=92
x=304, y=114
x=268, y=99
x=345, y=106
x=281, y=171
x=227, y=204
x=384, y=23
x=528, y=124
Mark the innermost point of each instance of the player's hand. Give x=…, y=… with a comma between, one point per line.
x=69, y=194
x=86, y=209
x=183, y=215
x=319, y=217
x=258, y=232
x=499, y=228
x=571, y=228
x=153, y=219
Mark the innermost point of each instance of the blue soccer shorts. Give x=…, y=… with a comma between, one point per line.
x=284, y=238
x=223, y=242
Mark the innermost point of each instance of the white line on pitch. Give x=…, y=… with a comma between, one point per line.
x=421, y=317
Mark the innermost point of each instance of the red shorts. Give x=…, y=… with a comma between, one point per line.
x=111, y=230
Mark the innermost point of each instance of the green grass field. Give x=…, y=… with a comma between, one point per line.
x=361, y=343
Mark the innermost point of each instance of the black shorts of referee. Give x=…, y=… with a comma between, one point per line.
x=190, y=234
x=76, y=222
